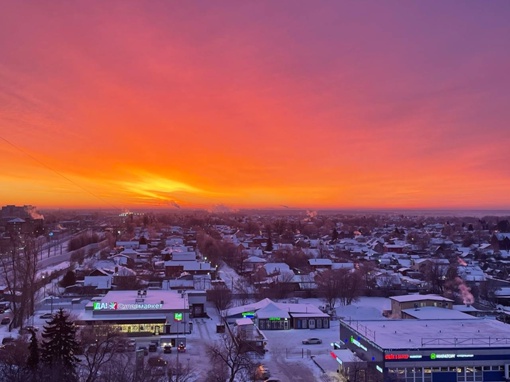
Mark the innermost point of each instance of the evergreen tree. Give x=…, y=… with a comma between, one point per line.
x=33, y=358
x=334, y=235
x=68, y=279
x=33, y=351
x=59, y=347
x=269, y=245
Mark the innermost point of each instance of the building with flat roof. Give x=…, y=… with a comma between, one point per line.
x=431, y=350
x=401, y=303
x=140, y=313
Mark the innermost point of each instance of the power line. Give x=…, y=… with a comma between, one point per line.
x=57, y=172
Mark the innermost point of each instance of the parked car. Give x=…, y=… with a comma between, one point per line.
x=153, y=347
x=312, y=341
x=156, y=361
x=145, y=350
x=5, y=321
x=157, y=366
x=181, y=348
x=262, y=373
x=167, y=349
x=7, y=340
x=28, y=330
x=131, y=346
x=46, y=316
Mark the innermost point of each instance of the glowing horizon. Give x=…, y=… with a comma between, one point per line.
x=252, y=105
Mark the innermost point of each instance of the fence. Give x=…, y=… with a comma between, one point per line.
x=291, y=353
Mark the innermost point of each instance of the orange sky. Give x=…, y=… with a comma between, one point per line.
x=255, y=104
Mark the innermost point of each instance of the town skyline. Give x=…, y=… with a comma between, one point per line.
x=327, y=105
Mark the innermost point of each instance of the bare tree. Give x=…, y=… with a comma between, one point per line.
x=384, y=282
x=328, y=287
x=13, y=362
x=221, y=296
x=242, y=288
x=100, y=344
x=228, y=353
x=18, y=266
x=344, y=285
x=282, y=284
x=352, y=285
x=179, y=372
x=357, y=370
x=121, y=368
x=439, y=275
x=488, y=290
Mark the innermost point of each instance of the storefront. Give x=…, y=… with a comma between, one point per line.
x=270, y=315
x=137, y=313
x=431, y=350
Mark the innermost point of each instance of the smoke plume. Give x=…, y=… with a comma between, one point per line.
x=465, y=292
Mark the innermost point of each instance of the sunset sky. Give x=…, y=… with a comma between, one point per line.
x=306, y=104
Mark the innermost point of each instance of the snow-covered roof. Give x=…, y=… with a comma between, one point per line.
x=432, y=312
x=471, y=273
x=502, y=235
x=416, y=334
x=244, y=321
x=276, y=267
x=184, y=256
x=275, y=307
x=189, y=265
x=16, y=220
x=419, y=297
x=271, y=310
x=320, y=262
x=129, y=252
x=255, y=259
x=342, y=266
x=167, y=298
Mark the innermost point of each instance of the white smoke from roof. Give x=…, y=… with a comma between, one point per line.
x=465, y=292
x=33, y=213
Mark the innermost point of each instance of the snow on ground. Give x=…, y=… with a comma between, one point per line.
x=228, y=275
x=367, y=308
x=57, y=267
x=285, y=346
x=286, y=358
